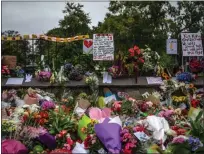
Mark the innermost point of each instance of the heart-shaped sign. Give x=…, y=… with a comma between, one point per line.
x=88, y=43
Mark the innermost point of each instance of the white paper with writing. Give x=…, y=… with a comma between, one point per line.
x=14, y=81
x=191, y=44
x=103, y=47
x=154, y=80
x=171, y=46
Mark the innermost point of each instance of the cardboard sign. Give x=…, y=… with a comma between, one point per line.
x=171, y=46
x=88, y=46
x=10, y=61
x=103, y=47
x=191, y=44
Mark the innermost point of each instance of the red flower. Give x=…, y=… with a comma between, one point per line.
x=70, y=141
x=25, y=117
x=194, y=103
x=137, y=49
x=87, y=142
x=59, y=135
x=132, y=52
x=139, y=129
x=63, y=132
x=127, y=151
x=60, y=151
x=44, y=114
x=181, y=131
x=174, y=128
x=141, y=60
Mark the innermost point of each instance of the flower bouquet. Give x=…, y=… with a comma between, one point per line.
x=19, y=72
x=31, y=97
x=43, y=76
x=5, y=72
x=195, y=65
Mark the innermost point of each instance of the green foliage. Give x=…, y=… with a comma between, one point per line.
x=16, y=48
x=60, y=121
x=198, y=126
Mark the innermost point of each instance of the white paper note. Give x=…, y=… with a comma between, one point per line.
x=105, y=77
x=141, y=136
x=109, y=79
x=15, y=81
x=154, y=80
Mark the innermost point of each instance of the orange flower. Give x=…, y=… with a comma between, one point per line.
x=191, y=85
x=164, y=75
x=83, y=129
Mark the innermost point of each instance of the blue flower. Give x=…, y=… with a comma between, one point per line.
x=194, y=143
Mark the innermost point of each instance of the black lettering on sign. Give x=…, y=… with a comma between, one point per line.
x=191, y=44
x=103, y=46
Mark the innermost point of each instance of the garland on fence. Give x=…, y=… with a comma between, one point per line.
x=44, y=37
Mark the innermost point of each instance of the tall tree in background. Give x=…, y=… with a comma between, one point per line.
x=75, y=22
x=147, y=23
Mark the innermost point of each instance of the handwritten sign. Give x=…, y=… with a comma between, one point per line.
x=191, y=44
x=88, y=46
x=171, y=46
x=103, y=47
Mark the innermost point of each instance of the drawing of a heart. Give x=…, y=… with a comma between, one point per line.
x=87, y=43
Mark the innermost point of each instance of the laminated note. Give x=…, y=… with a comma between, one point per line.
x=14, y=81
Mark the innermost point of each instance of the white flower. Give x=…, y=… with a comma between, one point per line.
x=19, y=111
x=26, y=106
x=156, y=94
x=34, y=108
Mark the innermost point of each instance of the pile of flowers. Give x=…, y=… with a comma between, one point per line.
x=42, y=123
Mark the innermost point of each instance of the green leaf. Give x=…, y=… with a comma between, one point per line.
x=199, y=116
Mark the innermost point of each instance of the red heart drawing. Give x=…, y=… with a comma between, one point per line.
x=88, y=44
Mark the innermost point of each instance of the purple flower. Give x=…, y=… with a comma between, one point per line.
x=194, y=143
x=46, y=105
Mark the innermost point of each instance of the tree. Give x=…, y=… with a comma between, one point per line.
x=147, y=23
x=75, y=22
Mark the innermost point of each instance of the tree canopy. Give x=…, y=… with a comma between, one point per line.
x=141, y=23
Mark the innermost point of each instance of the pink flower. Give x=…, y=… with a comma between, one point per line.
x=116, y=106
x=178, y=140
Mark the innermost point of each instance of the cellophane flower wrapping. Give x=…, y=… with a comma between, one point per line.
x=83, y=123
x=13, y=146
x=109, y=135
